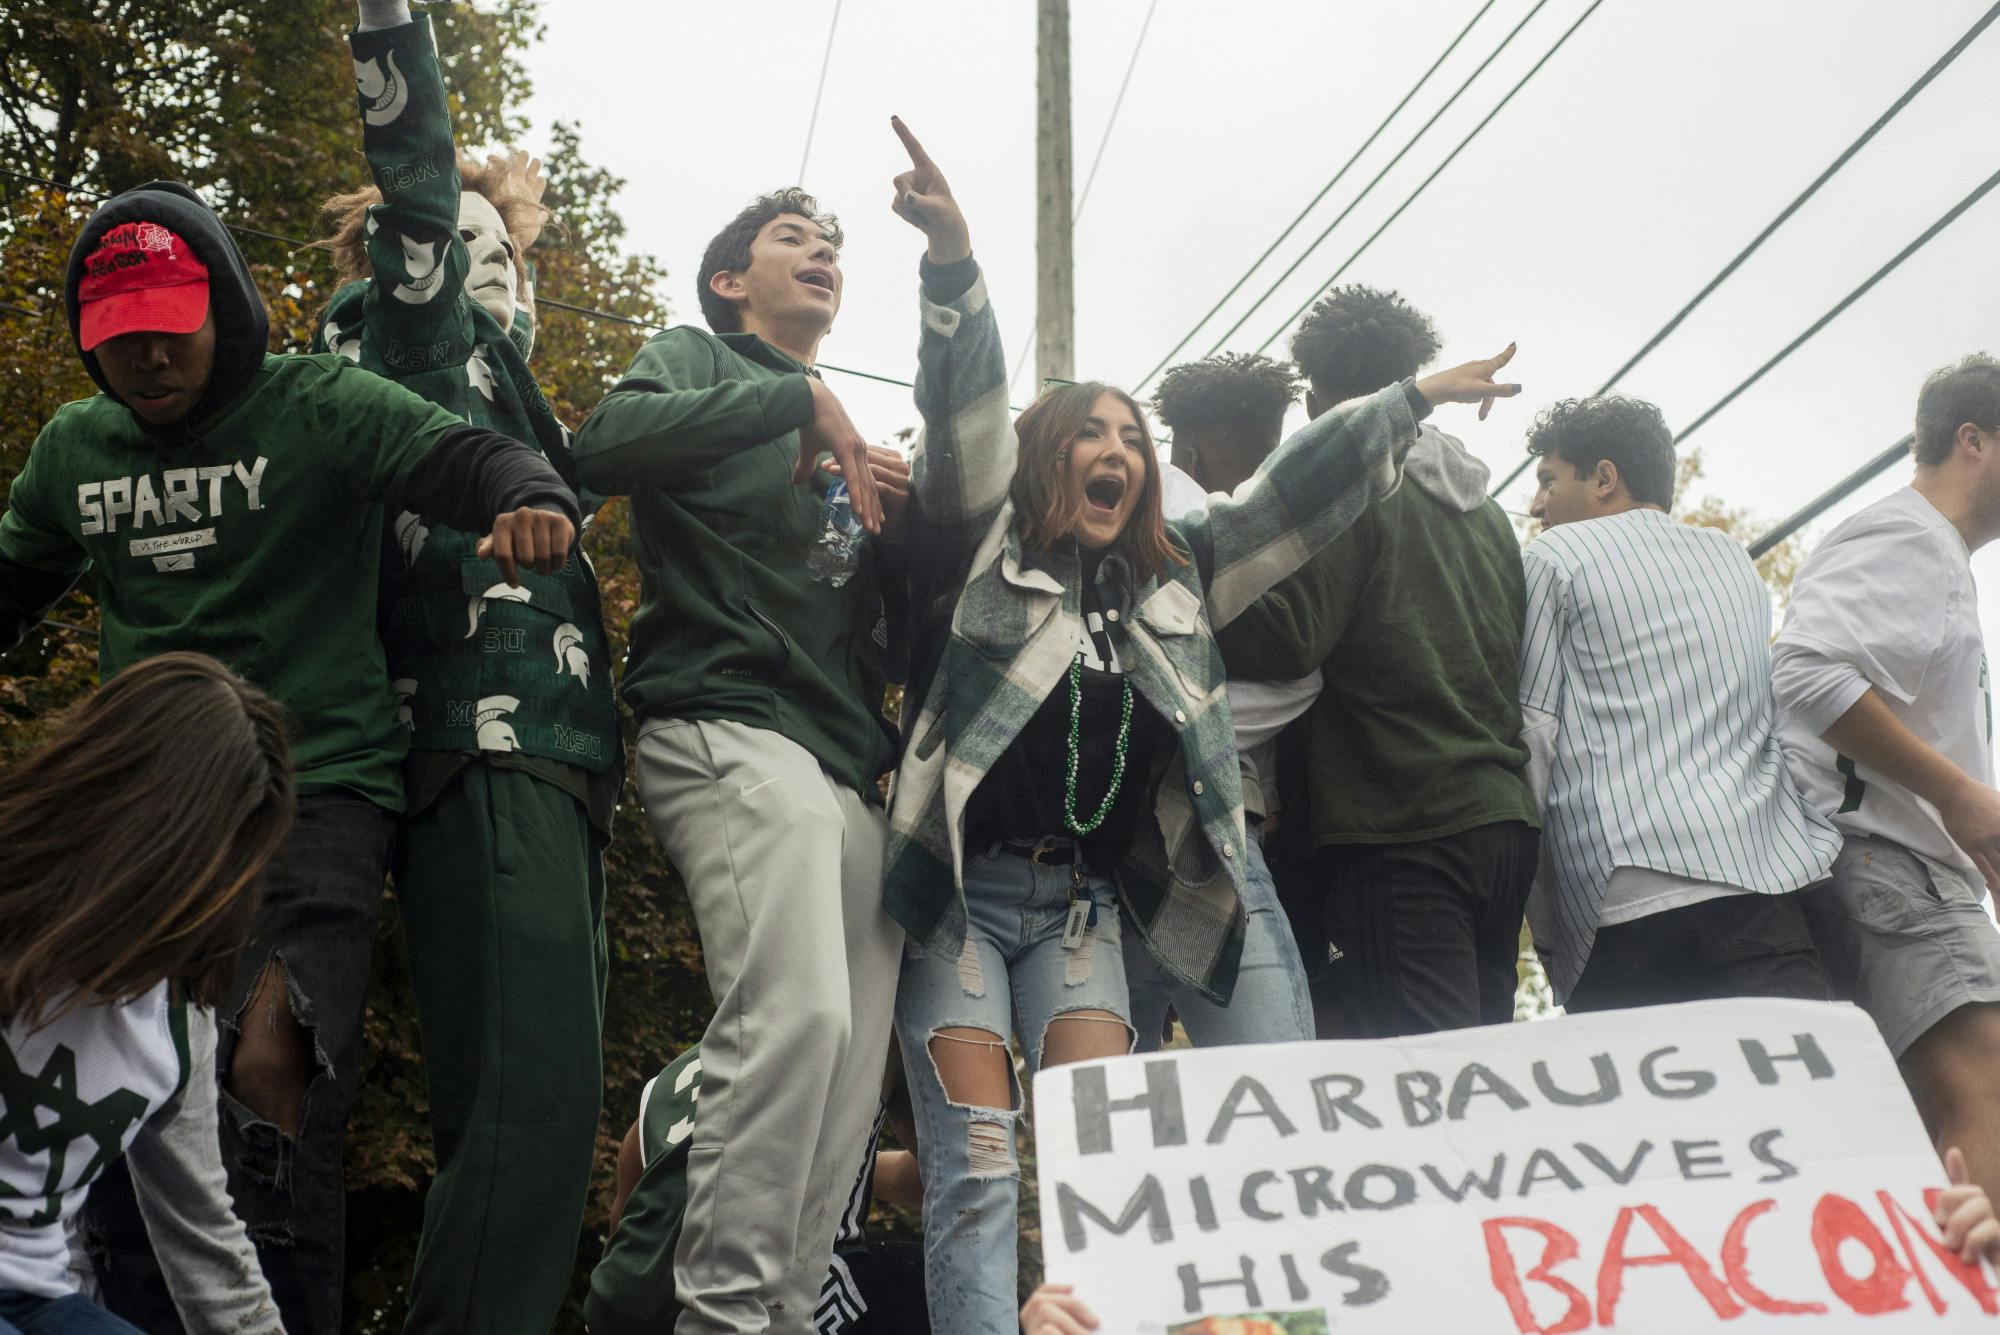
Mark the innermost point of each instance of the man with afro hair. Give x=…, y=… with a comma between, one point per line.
x=1425, y=831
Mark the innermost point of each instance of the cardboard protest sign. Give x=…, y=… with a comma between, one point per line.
x=1748, y=1165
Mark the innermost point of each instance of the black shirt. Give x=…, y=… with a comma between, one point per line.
x=1021, y=797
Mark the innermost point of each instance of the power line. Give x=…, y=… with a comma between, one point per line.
x=1449, y=158
x=1910, y=93
x=1937, y=67
x=1832, y=496
x=1355, y=203
x=820, y=92
x=540, y=300
x=1090, y=178
x=1313, y=203
x=1979, y=192
x=612, y=316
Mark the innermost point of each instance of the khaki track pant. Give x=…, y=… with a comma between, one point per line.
x=783, y=867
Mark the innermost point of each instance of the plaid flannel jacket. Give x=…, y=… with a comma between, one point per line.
x=996, y=627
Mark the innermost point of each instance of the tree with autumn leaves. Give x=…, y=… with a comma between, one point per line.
x=251, y=104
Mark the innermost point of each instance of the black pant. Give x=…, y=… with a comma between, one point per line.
x=1426, y=936
x=321, y=896
x=1736, y=946
x=887, y=1293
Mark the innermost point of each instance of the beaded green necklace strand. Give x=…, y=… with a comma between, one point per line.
x=1070, y=821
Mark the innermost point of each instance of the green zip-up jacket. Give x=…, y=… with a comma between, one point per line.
x=1414, y=615
x=702, y=434
x=476, y=665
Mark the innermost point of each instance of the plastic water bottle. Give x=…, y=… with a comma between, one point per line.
x=837, y=554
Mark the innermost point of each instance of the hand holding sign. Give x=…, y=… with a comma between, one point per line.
x=924, y=201
x=1053, y=1310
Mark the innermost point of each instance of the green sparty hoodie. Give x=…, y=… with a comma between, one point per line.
x=251, y=530
x=702, y=433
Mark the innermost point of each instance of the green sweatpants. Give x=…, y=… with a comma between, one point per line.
x=501, y=885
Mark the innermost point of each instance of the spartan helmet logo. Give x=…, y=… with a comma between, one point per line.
x=383, y=96
x=571, y=656
x=423, y=261
x=476, y=606
x=478, y=372
x=350, y=348
x=495, y=732
x=404, y=687
x=411, y=534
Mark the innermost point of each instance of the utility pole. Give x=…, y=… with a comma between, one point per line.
x=1055, y=283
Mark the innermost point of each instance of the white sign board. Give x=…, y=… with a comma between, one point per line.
x=1738, y=1165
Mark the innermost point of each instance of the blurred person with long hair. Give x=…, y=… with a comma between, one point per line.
x=132, y=845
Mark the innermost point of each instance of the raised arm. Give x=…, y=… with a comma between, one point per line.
x=417, y=260
x=963, y=462
x=1315, y=484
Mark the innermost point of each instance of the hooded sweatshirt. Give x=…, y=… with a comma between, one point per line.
x=251, y=529
x=1414, y=614
x=453, y=632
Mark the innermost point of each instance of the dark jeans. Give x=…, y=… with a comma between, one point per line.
x=1736, y=946
x=321, y=896
x=32, y=1314
x=1427, y=934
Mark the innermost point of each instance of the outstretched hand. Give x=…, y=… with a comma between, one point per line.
x=924, y=201
x=1471, y=383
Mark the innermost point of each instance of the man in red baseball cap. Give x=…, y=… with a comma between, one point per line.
x=143, y=309
x=232, y=503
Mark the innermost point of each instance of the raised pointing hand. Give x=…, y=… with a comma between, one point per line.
x=1471, y=383
x=924, y=200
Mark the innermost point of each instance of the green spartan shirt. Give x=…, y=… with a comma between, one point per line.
x=238, y=538
x=476, y=665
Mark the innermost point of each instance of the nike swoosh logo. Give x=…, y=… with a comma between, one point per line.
x=745, y=792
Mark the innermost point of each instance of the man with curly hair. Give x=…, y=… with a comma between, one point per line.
x=1674, y=836
x=1424, y=829
x=1227, y=414
x=759, y=655
x=1888, y=724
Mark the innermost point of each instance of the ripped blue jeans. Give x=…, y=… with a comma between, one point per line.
x=1014, y=979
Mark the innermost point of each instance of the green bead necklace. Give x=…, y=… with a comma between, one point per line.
x=1070, y=821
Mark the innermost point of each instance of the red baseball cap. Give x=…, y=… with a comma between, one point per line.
x=141, y=277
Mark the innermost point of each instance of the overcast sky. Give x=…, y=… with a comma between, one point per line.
x=1650, y=149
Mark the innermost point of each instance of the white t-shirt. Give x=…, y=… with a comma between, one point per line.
x=1886, y=601
x=1259, y=709
x=73, y=1096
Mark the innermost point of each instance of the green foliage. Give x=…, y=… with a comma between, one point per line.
x=251, y=103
